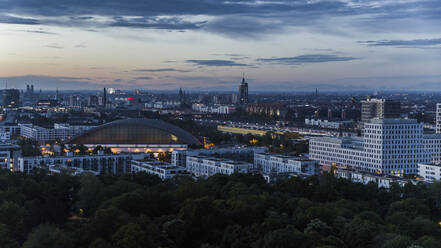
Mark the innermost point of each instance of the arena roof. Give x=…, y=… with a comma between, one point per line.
x=136, y=131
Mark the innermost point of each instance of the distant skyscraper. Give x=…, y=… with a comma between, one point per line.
x=105, y=97
x=234, y=98
x=181, y=95
x=11, y=98
x=329, y=113
x=379, y=108
x=243, y=92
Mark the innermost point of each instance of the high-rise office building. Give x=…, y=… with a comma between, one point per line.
x=379, y=108
x=11, y=98
x=388, y=146
x=243, y=92
x=105, y=97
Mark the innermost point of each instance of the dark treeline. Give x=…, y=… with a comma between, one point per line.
x=235, y=211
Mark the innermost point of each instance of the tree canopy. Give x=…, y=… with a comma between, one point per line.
x=239, y=211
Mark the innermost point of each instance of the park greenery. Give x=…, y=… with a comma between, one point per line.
x=237, y=211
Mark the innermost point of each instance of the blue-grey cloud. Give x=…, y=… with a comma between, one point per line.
x=144, y=78
x=17, y=20
x=156, y=23
x=306, y=59
x=404, y=43
x=237, y=18
x=38, y=32
x=214, y=62
x=160, y=70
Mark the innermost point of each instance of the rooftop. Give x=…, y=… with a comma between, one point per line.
x=392, y=121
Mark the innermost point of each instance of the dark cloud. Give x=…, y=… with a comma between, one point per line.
x=306, y=59
x=144, y=78
x=236, y=18
x=404, y=43
x=160, y=70
x=54, y=46
x=215, y=62
x=232, y=56
x=38, y=32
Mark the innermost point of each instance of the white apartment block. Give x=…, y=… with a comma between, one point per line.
x=99, y=164
x=215, y=109
x=154, y=167
x=268, y=163
x=179, y=158
x=59, y=132
x=389, y=146
x=429, y=172
x=202, y=166
x=365, y=178
x=327, y=124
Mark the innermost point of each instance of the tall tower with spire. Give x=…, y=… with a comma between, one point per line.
x=181, y=95
x=243, y=91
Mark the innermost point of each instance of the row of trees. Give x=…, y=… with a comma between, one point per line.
x=238, y=211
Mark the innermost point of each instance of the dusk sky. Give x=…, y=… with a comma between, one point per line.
x=280, y=45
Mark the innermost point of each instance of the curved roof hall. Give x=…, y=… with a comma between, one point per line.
x=136, y=131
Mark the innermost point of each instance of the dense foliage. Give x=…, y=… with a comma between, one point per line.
x=235, y=211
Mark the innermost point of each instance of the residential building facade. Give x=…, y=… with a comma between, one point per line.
x=268, y=163
x=154, y=167
x=100, y=164
x=203, y=166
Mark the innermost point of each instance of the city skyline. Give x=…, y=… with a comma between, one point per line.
x=207, y=45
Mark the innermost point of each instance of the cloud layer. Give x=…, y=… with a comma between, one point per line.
x=236, y=18
x=307, y=59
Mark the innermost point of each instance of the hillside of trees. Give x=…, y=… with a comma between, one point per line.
x=237, y=211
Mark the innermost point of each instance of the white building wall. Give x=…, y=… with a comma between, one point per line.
x=206, y=166
x=429, y=172
x=390, y=146
x=154, y=167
